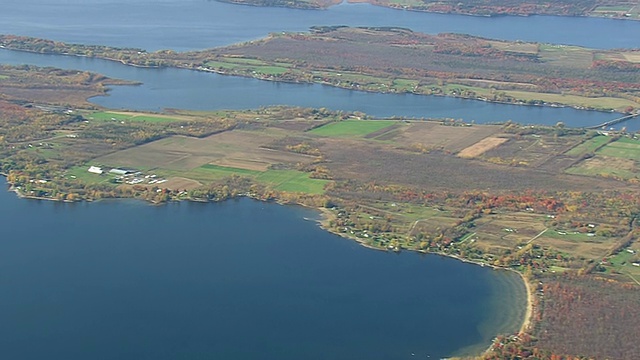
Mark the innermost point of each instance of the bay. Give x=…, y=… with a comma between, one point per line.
x=235, y=280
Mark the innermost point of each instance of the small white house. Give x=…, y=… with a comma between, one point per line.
x=95, y=170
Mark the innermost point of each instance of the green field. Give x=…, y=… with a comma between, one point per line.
x=80, y=173
x=589, y=146
x=262, y=69
x=282, y=180
x=613, y=8
x=351, y=128
x=624, y=148
x=622, y=262
x=617, y=159
x=107, y=115
x=292, y=181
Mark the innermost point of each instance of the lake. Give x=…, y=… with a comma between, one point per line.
x=244, y=279
x=197, y=24
x=235, y=280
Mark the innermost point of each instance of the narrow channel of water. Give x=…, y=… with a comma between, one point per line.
x=186, y=89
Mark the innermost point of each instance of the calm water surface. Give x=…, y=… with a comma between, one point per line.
x=197, y=24
x=234, y=280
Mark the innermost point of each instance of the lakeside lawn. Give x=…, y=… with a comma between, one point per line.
x=589, y=146
x=281, y=180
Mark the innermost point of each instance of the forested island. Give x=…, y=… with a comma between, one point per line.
x=558, y=205
x=621, y=9
x=455, y=65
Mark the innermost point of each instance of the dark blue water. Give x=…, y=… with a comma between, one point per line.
x=234, y=280
x=185, y=89
x=197, y=24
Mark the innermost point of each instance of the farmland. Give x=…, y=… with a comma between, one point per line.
x=125, y=116
x=351, y=128
x=617, y=158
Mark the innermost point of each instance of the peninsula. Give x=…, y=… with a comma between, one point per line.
x=402, y=61
x=619, y=9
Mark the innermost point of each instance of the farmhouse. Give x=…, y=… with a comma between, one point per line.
x=95, y=170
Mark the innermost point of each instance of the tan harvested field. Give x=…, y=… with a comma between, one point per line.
x=608, y=162
x=481, y=147
x=585, y=247
x=632, y=56
x=180, y=183
x=232, y=148
x=450, y=138
x=536, y=151
x=368, y=161
x=518, y=47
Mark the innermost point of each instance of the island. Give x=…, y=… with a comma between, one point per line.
x=558, y=205
x=396, y=60
x=619, y=9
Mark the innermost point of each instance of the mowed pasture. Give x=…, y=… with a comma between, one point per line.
x=282, y=180
x=131, y=116
x=620, y=159
x=236, y=149
x=589, y=146
x=352, y=128
x=576, y=244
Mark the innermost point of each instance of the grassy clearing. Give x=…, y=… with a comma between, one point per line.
x=292, y=181
x=250, y=65
x=624, y=148
x=404, y=85
x=251, y=62
x=589, y=146
x=2, y=77
x=116, y=116
x=282, y=180
x=606, y=166
x=612, y=8
x=80, y=173
x=618, y=159
x=351, y=128
x=623, y=262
